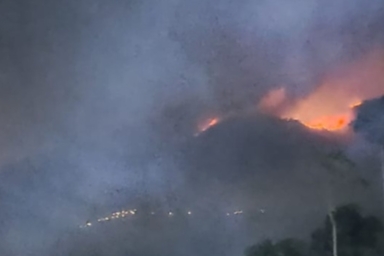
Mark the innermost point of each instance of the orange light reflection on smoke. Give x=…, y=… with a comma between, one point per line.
x=330, y=105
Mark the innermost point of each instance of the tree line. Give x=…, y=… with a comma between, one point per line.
x=356, y=235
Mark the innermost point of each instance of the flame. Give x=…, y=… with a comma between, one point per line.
x=125, y=213
x=207, y=124
x=356, y=104
x=330, y=123
x=330, y=105
x=327, y=108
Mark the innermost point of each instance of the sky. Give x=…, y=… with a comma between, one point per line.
x=100, y=102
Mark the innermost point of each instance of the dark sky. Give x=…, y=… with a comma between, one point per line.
x=99, y=101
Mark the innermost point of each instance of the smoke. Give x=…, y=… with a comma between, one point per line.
x=99, y=101
x=256, y=46
x=370, y=120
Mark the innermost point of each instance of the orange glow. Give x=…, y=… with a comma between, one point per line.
x=273, y=99
x=206, y=124
x=356, y=104
x=330, y=105
x=323, y=111
x=330, y=123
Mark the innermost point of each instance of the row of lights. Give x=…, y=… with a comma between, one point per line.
x=125, y=213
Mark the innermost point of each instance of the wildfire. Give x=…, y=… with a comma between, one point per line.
x=330, y=105
x=207, y=124
x=324, y=110
x=330, y=123
x=126, y=213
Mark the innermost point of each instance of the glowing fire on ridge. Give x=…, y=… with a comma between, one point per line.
x=330, y=105
x=330, y=123
x=324, y=109
x=317, y=111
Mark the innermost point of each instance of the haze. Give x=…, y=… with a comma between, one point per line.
x=202, y=122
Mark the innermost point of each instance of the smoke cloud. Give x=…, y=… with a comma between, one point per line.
x=370, y=120
x=99, y=102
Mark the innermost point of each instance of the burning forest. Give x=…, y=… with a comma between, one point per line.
x=192, y=128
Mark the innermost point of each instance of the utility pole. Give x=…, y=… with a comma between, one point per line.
x=334, y=231
x=382, y=170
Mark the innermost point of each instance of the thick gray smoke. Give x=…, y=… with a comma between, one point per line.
x=99, y=101
x=370, y=120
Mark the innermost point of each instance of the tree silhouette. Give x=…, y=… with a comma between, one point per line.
x=286, y=247
x=370, y=123
x=340, y=170
x=356, y=234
